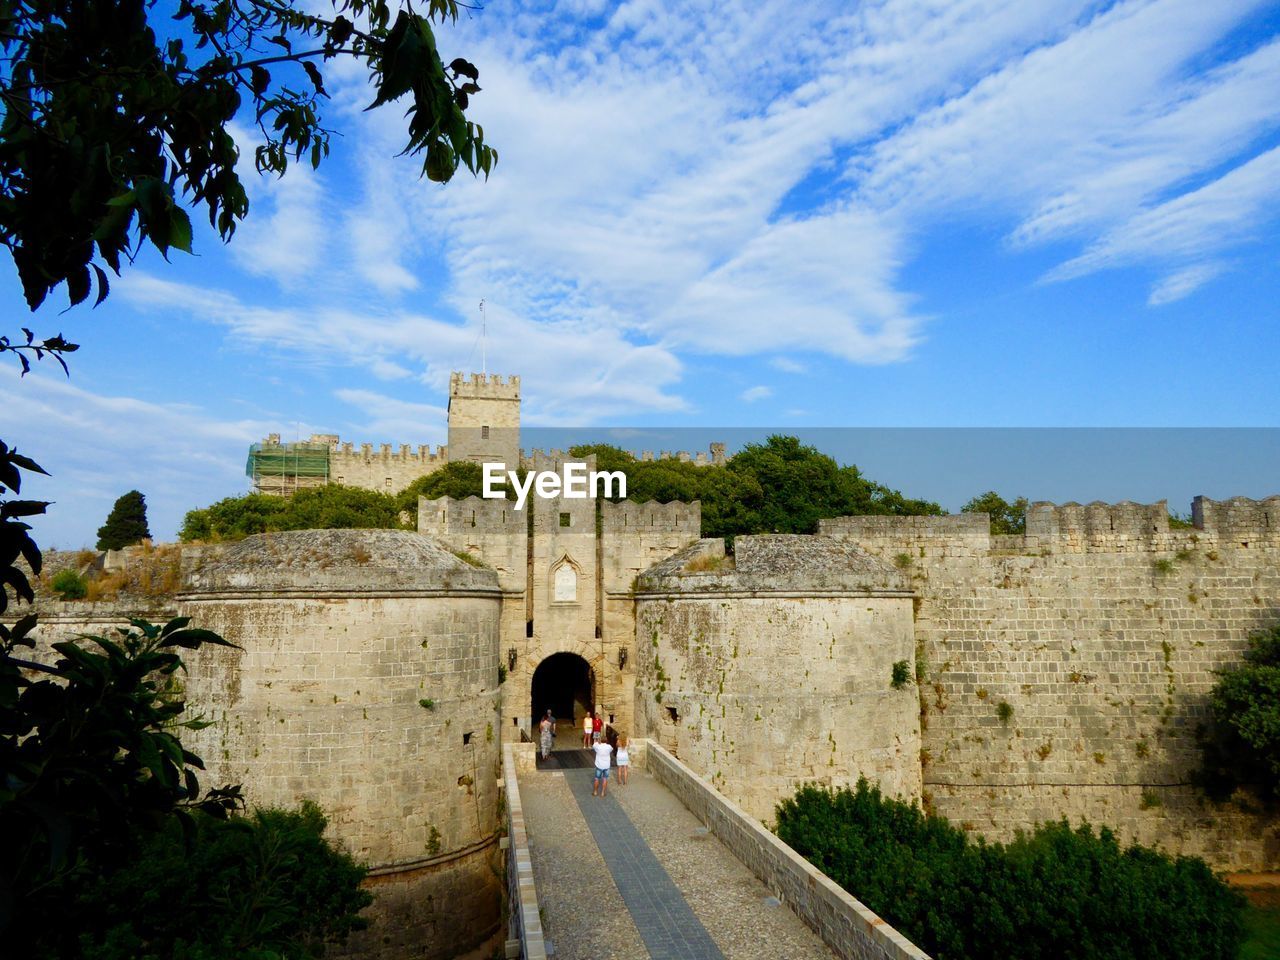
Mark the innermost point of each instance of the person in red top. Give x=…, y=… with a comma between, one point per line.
x=597, y=728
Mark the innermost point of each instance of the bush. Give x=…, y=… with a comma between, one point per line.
x=1242, y=744
x=1059, y=893
x=267, y=886
x=316, y=508
x=901, y=674
x=69, y=585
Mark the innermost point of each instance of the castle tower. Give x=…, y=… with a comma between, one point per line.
x=484, y=419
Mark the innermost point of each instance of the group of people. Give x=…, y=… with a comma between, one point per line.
x=593, y=739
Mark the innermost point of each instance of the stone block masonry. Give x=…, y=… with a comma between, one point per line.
x=1067, y=671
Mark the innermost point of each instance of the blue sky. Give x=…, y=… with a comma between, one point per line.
x=719, y=214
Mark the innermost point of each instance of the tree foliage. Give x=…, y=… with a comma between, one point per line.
x=1058, y=893
x=89, y=760
x=1006, y=517
x=126, y=523
x=779, y=486
x=328, y=507
x=117, y=112
x=459, y=480
x=1241, y=746
x=267, y=886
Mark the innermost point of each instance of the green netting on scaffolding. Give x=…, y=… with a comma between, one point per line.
x=288, y=460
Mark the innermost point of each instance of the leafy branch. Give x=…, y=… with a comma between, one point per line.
x=108, y=132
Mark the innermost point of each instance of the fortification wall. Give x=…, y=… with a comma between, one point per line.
x=495, y=533
x=634, y=537
x=385, y=469
x=1101, y=629
x=484, y=418
x=365, y=680
x=776, y=672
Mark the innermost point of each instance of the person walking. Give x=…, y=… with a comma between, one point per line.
x=547, y=729
x=600, y=785
x=587, y=724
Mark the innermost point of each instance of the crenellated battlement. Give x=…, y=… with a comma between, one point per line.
x=1239, y=518
x=451, y=518
x=627, y=516
x=493, y=385
x=714, y=457
x=404, y=453
x=1097, y=520
x=539, y=459
x=340, y=449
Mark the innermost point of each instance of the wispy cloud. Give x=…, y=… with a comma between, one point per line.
x=752, y=394
x=178, y=455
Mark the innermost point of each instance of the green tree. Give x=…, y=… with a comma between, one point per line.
x=608, y=457
x=126, y=523
x=1006, y=517
x=1241, y=746
x=800, y=485
x=117, y=110
x=459, y=480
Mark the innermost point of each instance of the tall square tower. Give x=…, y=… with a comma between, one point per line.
x=484, y=419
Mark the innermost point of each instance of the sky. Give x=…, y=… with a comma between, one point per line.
x=728, y=216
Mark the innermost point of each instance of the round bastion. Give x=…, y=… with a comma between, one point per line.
x=776, y=667
x=366, y=680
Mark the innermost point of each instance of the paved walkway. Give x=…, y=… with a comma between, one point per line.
x=634, y=875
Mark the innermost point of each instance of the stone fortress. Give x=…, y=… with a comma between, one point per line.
x=999, y=680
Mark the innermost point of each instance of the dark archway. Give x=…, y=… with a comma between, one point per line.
x=564, y=684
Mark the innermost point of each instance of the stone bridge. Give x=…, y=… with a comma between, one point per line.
x=664, y=867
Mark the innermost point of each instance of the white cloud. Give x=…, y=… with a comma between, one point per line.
x=577, y=372
x=388, y=420
x=788, y=365
x=178, y=456
x=1220, y=214
x=752, y=394
x=652, y=189
x=1182, y=283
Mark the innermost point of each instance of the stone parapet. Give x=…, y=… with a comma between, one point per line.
x=846, y=925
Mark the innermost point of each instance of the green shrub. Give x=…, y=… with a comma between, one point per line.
x=1059, y=893
x=69, y=585
x=328, y=507
x=901, y=674
x=265, y=886
x=1242, y=743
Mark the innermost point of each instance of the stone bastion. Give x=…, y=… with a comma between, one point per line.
x=775, y=667
x=366, y=679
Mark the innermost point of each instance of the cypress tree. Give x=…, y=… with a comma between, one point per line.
x=126, y=524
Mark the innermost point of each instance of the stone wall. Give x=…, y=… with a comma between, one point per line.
x=366, y=681
x=384, y=468
x=776, y=669
x=634, y=537
x=1101, y=630
x=495, y=533
x=484, y=418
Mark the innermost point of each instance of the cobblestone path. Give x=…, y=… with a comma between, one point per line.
x=634, y=875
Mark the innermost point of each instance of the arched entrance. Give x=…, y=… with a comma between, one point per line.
x=563, y=683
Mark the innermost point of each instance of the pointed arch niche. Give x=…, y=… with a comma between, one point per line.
x=564, y=580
